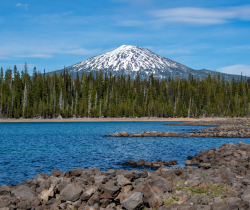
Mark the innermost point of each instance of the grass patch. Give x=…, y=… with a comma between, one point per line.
x=169, y=201
x=206, y=189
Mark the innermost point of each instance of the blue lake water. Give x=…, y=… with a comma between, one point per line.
x=27, y=148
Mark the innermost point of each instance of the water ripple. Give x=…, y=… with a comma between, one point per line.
x=27, y=148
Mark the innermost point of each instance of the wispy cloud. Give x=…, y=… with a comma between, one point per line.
x=78, y=51
x=242, y=47
x=23, y=5
x=21, y=51
x=137, y=2
x=131, y=23
x=4, y=58
x=202, y=16
x=66, y=18
x=236, y=69
x=175, y=51
x=34, y=56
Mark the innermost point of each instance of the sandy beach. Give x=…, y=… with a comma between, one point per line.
x=144, y=119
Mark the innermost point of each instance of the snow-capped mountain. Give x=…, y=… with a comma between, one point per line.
x=129, y=60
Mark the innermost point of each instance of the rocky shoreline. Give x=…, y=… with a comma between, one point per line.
x=234, y=128
x=146, y=164
x=221, y=181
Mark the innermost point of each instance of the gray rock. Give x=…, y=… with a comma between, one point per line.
x=147, y=164
x=155, y=166
x=94, y=199
x=23, y=192
x=88, y=193
x=205, y=165
x=74, y=172
x=161, y=185
x=112, y=190
x=71, y=193
x=246, y=196
x=150, y=197
x=4, y=190
x=56, y=173
x=99, y=179
x=192, y=201
x=122, y=181
x=140, y=163
x=133, y=201
x=62, y=185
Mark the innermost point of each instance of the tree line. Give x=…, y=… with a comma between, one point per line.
x=104, y=95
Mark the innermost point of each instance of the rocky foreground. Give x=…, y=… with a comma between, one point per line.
x=231, y=128
x=222, y=181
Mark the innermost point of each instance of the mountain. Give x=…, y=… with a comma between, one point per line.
x=129, y=60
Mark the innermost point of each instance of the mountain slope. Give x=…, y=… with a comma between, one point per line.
x=129, y=60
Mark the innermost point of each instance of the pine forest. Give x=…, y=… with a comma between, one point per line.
x=102, y=95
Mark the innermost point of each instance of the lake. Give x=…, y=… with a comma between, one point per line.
x=27, y=148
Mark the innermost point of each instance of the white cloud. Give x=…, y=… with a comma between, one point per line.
x=34, y=56
x=175, y=51
x=45, y=51
x=136, y=2
x=4, y=58
x=236, y=69
x=131, y=23
x=79, y=51
x=22, y=5
x=202, y=16
x=243, y=47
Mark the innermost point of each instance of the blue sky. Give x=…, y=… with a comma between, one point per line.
x=53, y=34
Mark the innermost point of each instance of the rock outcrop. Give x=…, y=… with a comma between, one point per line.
x=231, y=128
x=153, y=165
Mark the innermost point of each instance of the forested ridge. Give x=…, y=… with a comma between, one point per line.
x=103, y=95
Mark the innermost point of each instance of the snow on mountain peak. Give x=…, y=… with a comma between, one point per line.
x=128, y=58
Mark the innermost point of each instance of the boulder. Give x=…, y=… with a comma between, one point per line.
x=56, y=173
x=44, y=195
x=99, y=179
x=246, y=196
x=151, y=198
x=161, y=185
x=4, y=190
x=130, y=163
x=155, y=166
x=140, y=163
x=166, y=163
x=23, y=192
x=62, y=185
x=127, y=188
x=75, y=172
x=112, y=190
x=94, y=199
x=122, y=181
x=88, y=193
x=143, y=174
x=178, y=172
x=71, y=193
x=204, y=165
x=134, y=201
